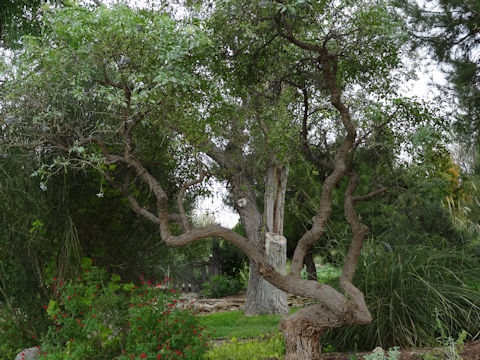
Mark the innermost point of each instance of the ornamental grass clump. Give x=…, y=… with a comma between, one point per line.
x=418, y=296
x=97, y=316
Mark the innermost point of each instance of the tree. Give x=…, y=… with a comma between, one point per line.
x=451, y=30
x=95, y=93
x=20, y=18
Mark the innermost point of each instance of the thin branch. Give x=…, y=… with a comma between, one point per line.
x=181, y=194
x=288, y=34
x=123, y=189
x=133, y=121
x=319, y=163
x=107, y=82
x=370, y=195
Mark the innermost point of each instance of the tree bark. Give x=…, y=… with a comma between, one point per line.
x=275, y=189
x=302, y=331
x=262, y=297
x=311, y=268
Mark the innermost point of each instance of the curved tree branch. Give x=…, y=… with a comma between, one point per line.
x=181, y=194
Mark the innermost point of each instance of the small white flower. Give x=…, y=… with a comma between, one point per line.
x=43, y=186
x=100, y=194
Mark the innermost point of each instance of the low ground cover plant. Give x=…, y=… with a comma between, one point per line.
x=98, y=316
x=267, y=346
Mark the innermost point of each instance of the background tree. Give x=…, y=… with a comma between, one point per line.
x=451, y=30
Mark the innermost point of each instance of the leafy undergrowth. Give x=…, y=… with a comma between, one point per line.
x=266, y=347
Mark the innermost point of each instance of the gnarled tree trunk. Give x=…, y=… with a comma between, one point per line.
x=303, y=329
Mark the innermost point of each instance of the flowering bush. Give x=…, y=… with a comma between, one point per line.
x=95, y=316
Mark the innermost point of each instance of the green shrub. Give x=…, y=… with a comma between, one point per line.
x=12, y=337
x=94, y=316
x=267, y=347
x=393, y=354
x=328, y=272
x=219, y=285
x=416, y=294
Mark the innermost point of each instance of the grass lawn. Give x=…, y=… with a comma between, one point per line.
x=235, y=324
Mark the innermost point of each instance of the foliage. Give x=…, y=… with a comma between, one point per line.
x=393, y=354
x=450, y=349
x=117, y=237
x=328, y=273
x=232, y=260
x=38, y=239
x=82, y=52
x=20, y=18
x=267, y=347
x=12, y=336
x=453, y=347
x=97, y=316
x=220, y=285
x=452, y=32
x=47, y=232
x=410, y=289
x=235, y=324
